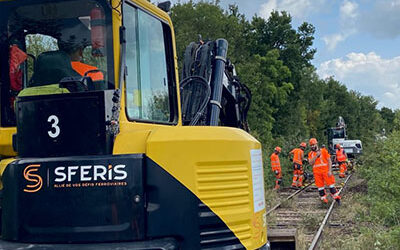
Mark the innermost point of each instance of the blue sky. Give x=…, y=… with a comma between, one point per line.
x=357, y=41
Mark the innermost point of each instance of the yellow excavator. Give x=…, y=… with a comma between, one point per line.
x=103, y=148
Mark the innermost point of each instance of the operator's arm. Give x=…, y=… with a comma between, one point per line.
x=312, y=160
x=330, y=166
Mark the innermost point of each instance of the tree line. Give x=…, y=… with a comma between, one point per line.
x=291, y=103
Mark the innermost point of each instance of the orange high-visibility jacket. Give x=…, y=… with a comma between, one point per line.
x=82, y=68
x=321, y=164
x=298, y=155
x=275, y=163
x=340, y=155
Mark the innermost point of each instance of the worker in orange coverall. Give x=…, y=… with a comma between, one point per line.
x=321, y=162
x=341, y=158
x=276, y=167
x=298, y=172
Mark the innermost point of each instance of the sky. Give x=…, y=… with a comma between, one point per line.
x=357, y=41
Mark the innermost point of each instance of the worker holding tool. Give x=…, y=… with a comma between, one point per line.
x=321, y=162
x=276, y=167
x=297, y=155
x=341, y=159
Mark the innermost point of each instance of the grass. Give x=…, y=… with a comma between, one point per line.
x=359, y=231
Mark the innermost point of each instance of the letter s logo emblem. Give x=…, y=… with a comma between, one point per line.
x=31, y=176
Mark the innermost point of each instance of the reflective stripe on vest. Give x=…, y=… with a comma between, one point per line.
x=319, y=162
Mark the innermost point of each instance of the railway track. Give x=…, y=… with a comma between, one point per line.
x=299, y=219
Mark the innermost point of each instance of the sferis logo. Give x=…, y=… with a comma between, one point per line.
x=34, y=179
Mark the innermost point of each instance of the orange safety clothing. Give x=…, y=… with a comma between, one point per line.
x=278, y=177
x=342, y=169
x=276, y=168
x=340, y=155
x=298, y=176
x=321, y=174
x=341, y=159
x=275, y=163
x=298, y=156
x=321, y=164
x=82, y=68
x=322, y=179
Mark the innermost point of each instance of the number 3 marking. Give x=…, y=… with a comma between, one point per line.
x=54, y=120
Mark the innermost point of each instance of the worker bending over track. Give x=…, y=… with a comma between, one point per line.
x=298, y=156
x=321, y=162
x=341, y=159
x=276, y=167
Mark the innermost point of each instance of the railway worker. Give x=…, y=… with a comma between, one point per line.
x=73, y=42
x=341, y=159
x=297, y=155
x=321, y=162
x=276, y=167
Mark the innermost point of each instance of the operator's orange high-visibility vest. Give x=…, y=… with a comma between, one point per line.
x=297, y=156
x=275, y=163
x=340, y=155
x=82, y=68
x=321, y=164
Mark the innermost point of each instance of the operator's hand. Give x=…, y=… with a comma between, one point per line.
x=318, y=153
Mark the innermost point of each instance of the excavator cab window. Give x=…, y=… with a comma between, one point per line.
x=49, y=46
x=150, y=86
x=338, y=133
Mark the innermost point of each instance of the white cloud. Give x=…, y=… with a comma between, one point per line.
x=369, y=74
x=267, y=8
x=331, y=41
x=297, y=8
x=348, y=19
x=348, y=10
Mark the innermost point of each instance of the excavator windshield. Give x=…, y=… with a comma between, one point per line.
x=46, y=43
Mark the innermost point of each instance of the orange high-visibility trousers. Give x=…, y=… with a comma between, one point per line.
x=298, y=175
x=342, y=169
x=278, y=177
x=321, y=179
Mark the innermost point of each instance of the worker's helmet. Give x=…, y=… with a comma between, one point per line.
x=75, y=36
x=278, y=149
x=303, y=145
x=313, y=141
x=338, y=146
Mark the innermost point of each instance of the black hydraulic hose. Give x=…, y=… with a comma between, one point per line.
x=203, y=105
x=217, y=81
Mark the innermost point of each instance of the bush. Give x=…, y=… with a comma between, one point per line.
x=382, y=171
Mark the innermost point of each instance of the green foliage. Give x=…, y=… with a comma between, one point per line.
x=290, y=102
x=382, y=170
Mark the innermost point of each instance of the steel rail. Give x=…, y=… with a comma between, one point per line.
x=317, y=237
x=288, y=198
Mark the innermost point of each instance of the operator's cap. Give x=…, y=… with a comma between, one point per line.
x=278, y=149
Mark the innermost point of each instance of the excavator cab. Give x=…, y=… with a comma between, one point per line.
x=94, y=151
